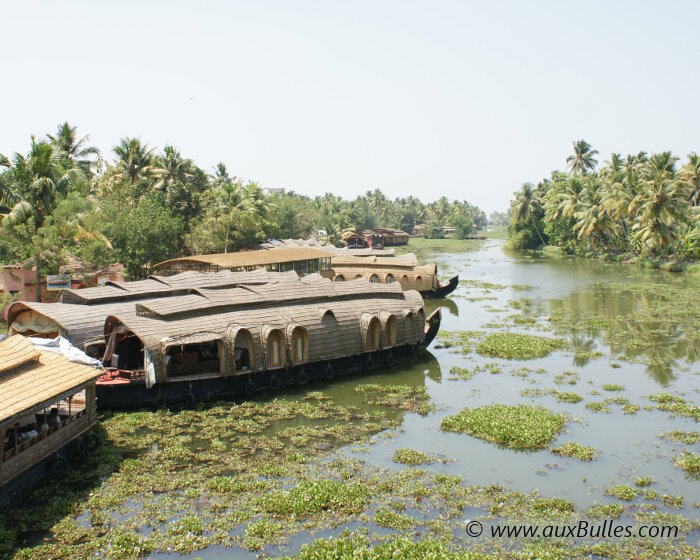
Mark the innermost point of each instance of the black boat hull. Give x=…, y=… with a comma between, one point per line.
x=135, y=394
x=442, y=291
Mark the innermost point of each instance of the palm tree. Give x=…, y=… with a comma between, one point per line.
x=134, y=159
x=661, y=207
x=526, y=206
x=691, y=175
x=594, y=222
x=36, y=183
x=171, y=168
x=570, y=200
x=74, y=150
x=583, y=158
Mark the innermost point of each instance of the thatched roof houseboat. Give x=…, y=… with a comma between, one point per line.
x=329, y=262
x=80, y=317
x=218, y=342
x=382, y=270
x=47, y=407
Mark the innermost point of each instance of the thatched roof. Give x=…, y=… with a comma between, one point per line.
x=160, y=286
x=30, y=379
x=251, y=258
x=78, y=323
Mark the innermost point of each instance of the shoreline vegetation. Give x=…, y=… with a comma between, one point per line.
x=64, y=199
x=641, y=209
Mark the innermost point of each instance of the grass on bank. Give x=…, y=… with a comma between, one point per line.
x=517, y=427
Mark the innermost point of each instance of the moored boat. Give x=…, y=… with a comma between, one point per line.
x=216, y=343
x=47, y=408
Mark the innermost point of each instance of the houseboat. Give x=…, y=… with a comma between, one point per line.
x=213, y=343
x=80, y=316
x=47, y=408
x=387, y=270
x=329, y=262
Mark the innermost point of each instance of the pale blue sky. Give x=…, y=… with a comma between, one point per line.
x=463, y=99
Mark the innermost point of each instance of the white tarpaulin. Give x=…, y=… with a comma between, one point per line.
x=150, y=369
x=62, y=346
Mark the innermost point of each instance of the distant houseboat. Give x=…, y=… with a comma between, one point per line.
x=219, y=342
x=328, y=262
x=386, y=270
x=47, y=407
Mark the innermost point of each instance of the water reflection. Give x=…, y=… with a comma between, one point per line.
x=636, y=325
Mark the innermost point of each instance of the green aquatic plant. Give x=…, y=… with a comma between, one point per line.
x=513, y=346
x=575, y=450
x=673, y=501
x=605, y=511
x=566, y=378
x=412, y=457
x=644, y=481
x=622, y=492
x=563, y=396
x=680, y=436
x=414, y=399
x=613, y=387
x=601, y=406
x=311, y=496
x=517, y=427
x=385, y=517
x=689, y=462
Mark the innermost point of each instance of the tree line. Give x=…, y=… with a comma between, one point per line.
x=641, y=205
x=144, y=206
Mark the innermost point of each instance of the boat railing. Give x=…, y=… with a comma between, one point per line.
x=43, y=432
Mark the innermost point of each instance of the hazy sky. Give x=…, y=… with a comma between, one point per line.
x=463, y=99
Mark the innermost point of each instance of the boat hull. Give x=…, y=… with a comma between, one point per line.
x=442, y=291
x=21, y=485
x=135, y=394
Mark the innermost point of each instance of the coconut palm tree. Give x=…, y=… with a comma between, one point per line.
x=661, y=207
x=134, y=159
x=583, y=159
x=73, y=149
x=691, y=175
x=171, y=168
x=36, y=183
x=526, y=207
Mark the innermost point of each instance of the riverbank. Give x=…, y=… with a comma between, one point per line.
x=629, y=259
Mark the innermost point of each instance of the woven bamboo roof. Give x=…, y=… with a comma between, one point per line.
x=157, y=286
x=36, y=379
x=288, y=289
x=16, y=351
x=252, y=258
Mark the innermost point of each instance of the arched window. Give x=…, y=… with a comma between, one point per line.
x=389, y=278
x=300, y=345
x=328, y=320
x=339, y=278
x=243, y=350
x=390, y=331
x=374, y=279
x=373, y=334
x=404, y=282
x=419, y=280
x=358, y=276
x=275, y=349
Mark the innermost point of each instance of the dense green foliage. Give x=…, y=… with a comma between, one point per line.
x=639, y=205
x=143, y=207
